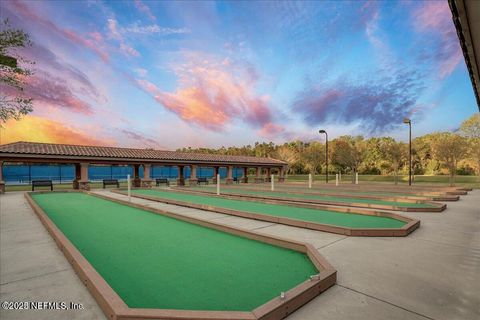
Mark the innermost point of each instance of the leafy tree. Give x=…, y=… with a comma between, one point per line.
x=395, y=153
x=287, y=153
x=349, y=152
x=423, y=160
x=374, y=160
x=313, y=156
x=13, y=104
x=449, y=149
x=373, y=156
x=470, y=129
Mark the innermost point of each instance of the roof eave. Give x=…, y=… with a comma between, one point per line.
x=461, y=16
x=5, y=156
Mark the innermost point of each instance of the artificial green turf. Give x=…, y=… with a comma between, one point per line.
x=319, y=197
x=153, y=261
x=353, y=192
x=313, y=215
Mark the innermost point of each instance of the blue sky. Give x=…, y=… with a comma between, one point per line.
x=174, y=74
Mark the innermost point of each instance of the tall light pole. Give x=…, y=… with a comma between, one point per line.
x=409, y=122
x=326, y=153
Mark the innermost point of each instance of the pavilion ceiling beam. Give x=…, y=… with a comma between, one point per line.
x=466, y=18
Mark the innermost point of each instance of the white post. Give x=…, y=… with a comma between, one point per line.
x=218, y=184
x=128, y=188
x=336, y=179
x=310, y=181
x=272, y=180
x=356, y=177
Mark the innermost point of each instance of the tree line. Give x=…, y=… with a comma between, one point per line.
x=436, y=153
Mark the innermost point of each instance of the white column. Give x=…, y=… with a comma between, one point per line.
x=356, y=177
x=218, y=184
x=336, y=179
x=271, y=179
x=310, y=181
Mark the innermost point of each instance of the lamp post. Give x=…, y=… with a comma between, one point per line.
x=326, y=154
x=409, y=122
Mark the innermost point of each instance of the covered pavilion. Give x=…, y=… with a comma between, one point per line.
x=83, y=156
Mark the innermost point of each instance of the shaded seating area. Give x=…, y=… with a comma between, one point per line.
x=42, y=183
x=160, y=181
x=202, y=180
x=110, y=182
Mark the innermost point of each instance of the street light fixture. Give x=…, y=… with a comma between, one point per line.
x=326, y=153
x=409, y=122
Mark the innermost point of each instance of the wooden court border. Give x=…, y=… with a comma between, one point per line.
x=331, y=193
x=411, y=223
x=408, y=189
x=114, y=307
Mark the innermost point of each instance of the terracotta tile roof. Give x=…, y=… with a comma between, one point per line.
x=89, y=152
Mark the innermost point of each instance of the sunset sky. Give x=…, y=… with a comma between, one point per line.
x=175, y=74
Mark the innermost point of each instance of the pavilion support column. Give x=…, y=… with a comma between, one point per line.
x=215, y=173
x=83, y=183
x=258, y=175
x=281, y=174
x=245, y=175
x=181, y=178
x=2, y=183
x=146, y=181
x=136, y=182
x=193, y=175
x=267, y=178
x=78, y=176
x=229, y=179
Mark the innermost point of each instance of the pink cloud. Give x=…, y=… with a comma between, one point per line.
x=115, y=32
x=97, y=36
x=212, y=94
x=435, y=17
x=128, y=51
x=270, y=130
x=142, y=7
x=113, y=28
x=92, y=44
x=49, y=91
x=190, y=104
x=71, y=35
x=139, y=139
x=51, y=63
x=52, y=91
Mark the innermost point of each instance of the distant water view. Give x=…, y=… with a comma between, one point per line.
x=24, y=174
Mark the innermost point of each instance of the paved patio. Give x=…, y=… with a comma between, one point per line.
x=431, y=274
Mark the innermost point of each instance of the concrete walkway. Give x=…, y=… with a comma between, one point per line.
x=432, y=274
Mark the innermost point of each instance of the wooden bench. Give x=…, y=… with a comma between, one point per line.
x=42, y=183
x=202, y=180
x=236, y=180
x=111, y=182
x=162, y=181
